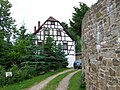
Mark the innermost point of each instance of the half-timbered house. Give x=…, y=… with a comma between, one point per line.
x=53, y=27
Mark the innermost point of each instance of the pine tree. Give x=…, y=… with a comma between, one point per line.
x=49, y=46
x=4, y=50
x=6, y=21
x=6, y=28
x=76, y=24
x=60, y=55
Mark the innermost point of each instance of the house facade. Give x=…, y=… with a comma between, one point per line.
x=54, y=28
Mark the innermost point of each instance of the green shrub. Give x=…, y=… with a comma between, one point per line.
x=2, y=76
x=20, y=74
x=82, y=81
x=37, y=67
x=64, y=63
x=27, y=72
x=16, y=74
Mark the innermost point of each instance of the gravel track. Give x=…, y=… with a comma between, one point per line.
x=63, y=85
x=43, y=83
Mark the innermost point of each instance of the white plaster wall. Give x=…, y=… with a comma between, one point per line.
x=71, y=59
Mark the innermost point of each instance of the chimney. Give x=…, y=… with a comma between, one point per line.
x=34, y=29
x=38, y=24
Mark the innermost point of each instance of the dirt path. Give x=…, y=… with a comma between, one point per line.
x=63, y=85
x=43, y=83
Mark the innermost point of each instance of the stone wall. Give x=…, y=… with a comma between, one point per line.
x=101, y=46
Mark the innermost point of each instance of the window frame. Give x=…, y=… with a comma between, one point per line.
x=65, y=46
x=58, y=33
x=52, y=23
x=40, y=43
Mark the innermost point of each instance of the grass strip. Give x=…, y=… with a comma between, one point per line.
x=74, y=83
x=30, y=82
x=52, y=85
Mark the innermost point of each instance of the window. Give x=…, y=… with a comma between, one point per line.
x=52, y=23
x=40, y=43
x=46, y=32
x=58, y=33
x=65, y=46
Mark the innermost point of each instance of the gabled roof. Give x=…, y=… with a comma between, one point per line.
x=54, y=20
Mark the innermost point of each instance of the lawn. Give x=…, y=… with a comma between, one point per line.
x=74, y=83
x=52, y=85
x=30, y=82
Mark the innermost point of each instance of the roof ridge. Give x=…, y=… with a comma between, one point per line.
x=51, y=19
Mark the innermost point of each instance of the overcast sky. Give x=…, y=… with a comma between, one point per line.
x=32, y=11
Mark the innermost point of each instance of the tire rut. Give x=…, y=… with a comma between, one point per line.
x=63, y=85
x=43, y=83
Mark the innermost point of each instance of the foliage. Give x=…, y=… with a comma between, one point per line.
x=65, y=25
x=19, y=55
x=78, y=44
x=6, y=28
x=27, y=72
x=76, y=22
x=30, y=82
x=6, y=21
x=49, y=47
x=15, y=75
x=22, y=57
x=18, y=74
x=82, y=81
x=4, y=50
x=60, y=55
x=19, y=49
x=55, y=53
x=74, y=82
x=47, y=57
x=2, y=76
x=44, y=58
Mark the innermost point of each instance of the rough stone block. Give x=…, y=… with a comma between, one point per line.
x=111, y=88
x=112, y=72
x=103, y=67
x=94, y=68
x=118, y=87
x=116, y=62
x=104, y=62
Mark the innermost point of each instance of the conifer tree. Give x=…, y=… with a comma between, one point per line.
x=6, y=21
x=77, y=17
x=6, y=28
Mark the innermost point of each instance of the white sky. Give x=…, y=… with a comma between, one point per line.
x=32, y=11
